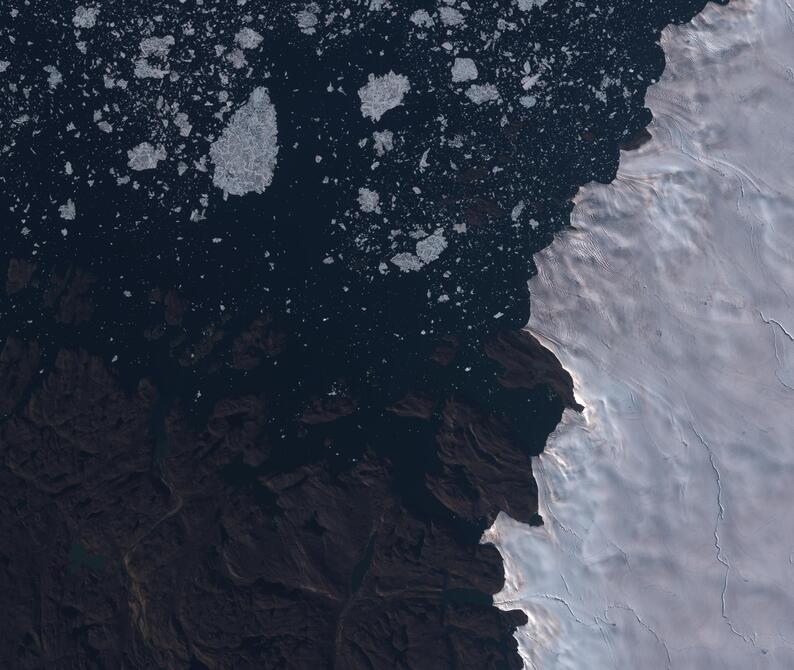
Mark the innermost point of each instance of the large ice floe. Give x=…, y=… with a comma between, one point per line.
x=668, y=539
x=245, y=153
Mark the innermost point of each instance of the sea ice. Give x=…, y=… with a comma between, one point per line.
x=380, y=94
x=245, y=153
x=464, y=69
x=85, y=17
x=145, y=156
x=68, y=211
x=368, y=200
x=481, y=93
x=248, y=38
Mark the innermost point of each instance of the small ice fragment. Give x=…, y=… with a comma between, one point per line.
x=156, y=46
x=68, y=211
x=422, y=19
x=450, y=16
x=516, y=213
x=247, y=38
x=481, y=93
x=383, y=141
x=55, y=77
x=407, y=262
x=182, y=122
x=145, y=157
x=368, y=200
x=85, y=17
x=464, y=69
x=382, y=93
x=430, y=248
x=307, y=18
x=527, y=5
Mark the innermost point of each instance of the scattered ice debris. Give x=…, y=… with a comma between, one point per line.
x=4, y=65
x=145, y=71
x=307, y=18
x=145, y=157
x=368, y=200
x=450, y=16
x=245, y=153
x=516, y=213
x=427, y=250
x=153, y=47
x=237, y=58
x=156, y=46
x=85, y=17
x=55, y=78
x=68, y=211
x=430, y=248
x=380, y=94
x=247, y=38
x=384, y=141
x=527, y=5
x=407, y=262
x=182, y=122
x=422, y=19
x=528, y=80
x=423, y=164
x=464, y=69
x=481, y=93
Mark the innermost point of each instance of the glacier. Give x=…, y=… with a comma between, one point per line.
x=668, y=537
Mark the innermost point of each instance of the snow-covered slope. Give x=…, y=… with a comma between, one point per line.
x=669, y=504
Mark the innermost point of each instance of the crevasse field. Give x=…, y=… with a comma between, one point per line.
x=669, y=529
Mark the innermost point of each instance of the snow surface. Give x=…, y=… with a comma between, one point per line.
x=669, y=534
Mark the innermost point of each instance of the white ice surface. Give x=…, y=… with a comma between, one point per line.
x=383, y=93
x=246, y=153
x=669, y=525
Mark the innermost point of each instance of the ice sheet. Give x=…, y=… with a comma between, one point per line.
x=669, y=530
